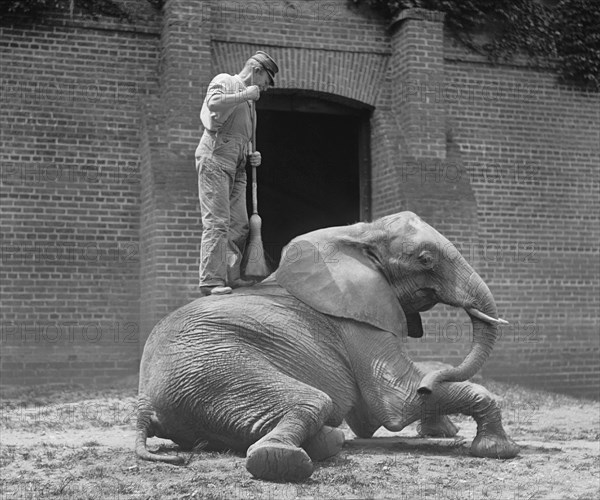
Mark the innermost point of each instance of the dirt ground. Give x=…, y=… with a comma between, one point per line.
x=71, y=443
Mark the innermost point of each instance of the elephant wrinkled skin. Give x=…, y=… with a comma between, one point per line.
x=273, y=369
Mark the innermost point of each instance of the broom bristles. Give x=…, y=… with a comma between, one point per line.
x=256, y=265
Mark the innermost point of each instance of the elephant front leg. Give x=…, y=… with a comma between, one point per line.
x=437, y=426
x=474, y=400
x=362, y=422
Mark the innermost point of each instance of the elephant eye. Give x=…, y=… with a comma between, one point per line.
x=426, y=258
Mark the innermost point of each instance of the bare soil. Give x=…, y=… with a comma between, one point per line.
x=72, y=443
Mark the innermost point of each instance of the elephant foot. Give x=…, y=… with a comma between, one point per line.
x=438, y=427
x=278, y=462
x=325, y=443
x=494, y=443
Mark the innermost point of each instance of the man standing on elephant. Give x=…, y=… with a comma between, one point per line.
x=229, y=121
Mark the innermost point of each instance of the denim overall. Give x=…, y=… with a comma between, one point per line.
x=220, y=163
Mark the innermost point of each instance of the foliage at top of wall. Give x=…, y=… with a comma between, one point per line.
x=31, y=10
x=564, y=31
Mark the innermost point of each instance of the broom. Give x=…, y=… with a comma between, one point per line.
x=256, y=264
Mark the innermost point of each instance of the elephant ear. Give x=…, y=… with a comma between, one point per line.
x=340, y=280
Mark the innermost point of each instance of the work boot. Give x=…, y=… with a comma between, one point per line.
x=239, y=283
x=214, y=290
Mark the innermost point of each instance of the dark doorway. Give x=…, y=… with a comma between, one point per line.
x=315, y=168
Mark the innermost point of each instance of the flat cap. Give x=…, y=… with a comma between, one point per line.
x=267, y=62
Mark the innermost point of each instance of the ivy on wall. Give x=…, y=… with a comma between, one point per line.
x=29, y=10
x=564, y=31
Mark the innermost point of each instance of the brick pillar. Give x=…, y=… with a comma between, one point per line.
x=185, y=68
x=430, y=174
x=417, y=64
x=170, y=220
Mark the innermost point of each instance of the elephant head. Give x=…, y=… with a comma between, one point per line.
x=385, y=273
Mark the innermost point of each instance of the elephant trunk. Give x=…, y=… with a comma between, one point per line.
x=479, y=303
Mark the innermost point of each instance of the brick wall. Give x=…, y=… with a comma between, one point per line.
x=70, y=191
x=171, y=227
x=532, y=152
x=502, y=160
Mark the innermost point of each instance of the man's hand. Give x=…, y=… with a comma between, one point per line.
x=255, y=159
x=253, y=93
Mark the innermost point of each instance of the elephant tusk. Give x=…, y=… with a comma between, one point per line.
x=486, y=318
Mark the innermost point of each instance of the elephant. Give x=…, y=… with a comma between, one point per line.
x=275, y=368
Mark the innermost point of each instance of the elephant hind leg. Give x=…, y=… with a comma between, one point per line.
x=327, y=442
x=278, y=462
x=278, y=456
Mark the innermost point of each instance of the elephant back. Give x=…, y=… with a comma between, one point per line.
x=264, y=317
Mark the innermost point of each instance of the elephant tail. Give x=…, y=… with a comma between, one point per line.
x=144, y=423
x=142, y=452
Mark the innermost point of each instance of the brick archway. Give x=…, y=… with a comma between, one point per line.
x=332, y=84
x=316, y=169
x=353, y=75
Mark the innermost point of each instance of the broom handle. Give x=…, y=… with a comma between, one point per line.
x=254, y=192
x=252, y=150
